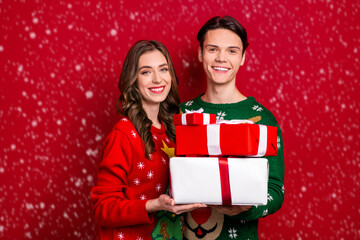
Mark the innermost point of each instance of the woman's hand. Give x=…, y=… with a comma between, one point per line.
x=232, y=209
x=165, y=202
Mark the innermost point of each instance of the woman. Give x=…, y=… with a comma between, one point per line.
x=134, y=169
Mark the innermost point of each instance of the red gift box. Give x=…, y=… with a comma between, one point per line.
x=227, y=139
x=194, y=119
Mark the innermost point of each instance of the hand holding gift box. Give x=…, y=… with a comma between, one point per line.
x=226, y=138
x=219, y=181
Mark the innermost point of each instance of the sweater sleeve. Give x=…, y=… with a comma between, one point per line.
x=111, y=206
x=275, y=186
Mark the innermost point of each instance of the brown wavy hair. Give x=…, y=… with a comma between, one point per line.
x=129, y=103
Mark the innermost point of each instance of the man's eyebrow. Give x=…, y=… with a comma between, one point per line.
x=212, y=45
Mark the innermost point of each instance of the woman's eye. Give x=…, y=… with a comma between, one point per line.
x=144, y=72
x=164, y=69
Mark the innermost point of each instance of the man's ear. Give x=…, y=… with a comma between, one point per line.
x=243, y=59
x=200, y=55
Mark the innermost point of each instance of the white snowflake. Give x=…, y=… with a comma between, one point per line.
x=150, y=174
x=220, y=115
x=163, y=160
x=141, y=165
x=151, y=155
x=139, y=238
x=265, y=212
x=232, y=233
x=124, y=120
x=269, y=197
x=133, y=133
x=158, y=187
x=257, y=108
x=121, y=235
x=142, y=197
x=136, y=181
x=155, y=137
x=189, y=103
x=242, y=221
x=167, y=140
x=278, y=143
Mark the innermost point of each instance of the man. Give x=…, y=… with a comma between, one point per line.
x=223, y=41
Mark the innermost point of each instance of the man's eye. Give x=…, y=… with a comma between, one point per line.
x=232, y=51
x=212, y=49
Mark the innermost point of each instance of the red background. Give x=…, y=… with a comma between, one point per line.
x=59, y=67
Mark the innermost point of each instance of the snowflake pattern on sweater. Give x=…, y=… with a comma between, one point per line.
x=126, y=180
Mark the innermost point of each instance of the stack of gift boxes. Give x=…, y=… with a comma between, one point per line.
x=220, y=162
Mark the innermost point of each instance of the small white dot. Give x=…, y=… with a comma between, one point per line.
x=1, y=48
x=35, y=20
x=113, y=32
x=78, y=67
x=48, y=31
x=89, y=94
x=34, y=123
x=32, y=35
x=58, y=122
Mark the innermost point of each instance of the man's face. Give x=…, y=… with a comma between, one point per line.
x=221, y=56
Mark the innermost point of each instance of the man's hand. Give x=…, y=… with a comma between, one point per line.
x=165, y=202
x=231, y=210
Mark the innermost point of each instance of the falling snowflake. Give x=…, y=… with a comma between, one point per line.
x=124, y=119
x=257, y=108
x=133, y=133
x=121, y=236
x=139, y=238
x=141, y=165
x=136, y=181
x=167, y=140
x=232, y=233
x=142, y=197
x=155, y=137
x=269, y=197
x=158, y=187
x=189, y=103
x=265, y=212
x=163, y=160
x=220, y=115
x=150, y=174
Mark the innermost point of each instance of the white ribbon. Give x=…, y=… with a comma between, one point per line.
x=262, y=141
x=213, y=139
x=194, y=111
x=234, y=121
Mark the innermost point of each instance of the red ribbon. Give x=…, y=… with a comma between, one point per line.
x=225, y=181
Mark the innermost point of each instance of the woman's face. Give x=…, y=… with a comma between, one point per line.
x=154, y=79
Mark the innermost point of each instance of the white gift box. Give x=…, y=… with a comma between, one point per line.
x=238, y=181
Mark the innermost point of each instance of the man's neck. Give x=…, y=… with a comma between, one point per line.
x=220, y=94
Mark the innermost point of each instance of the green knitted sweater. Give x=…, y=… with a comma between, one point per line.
x=243, y=225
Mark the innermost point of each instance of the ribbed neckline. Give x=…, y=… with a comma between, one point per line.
x=158, y=130
x=223, y=105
